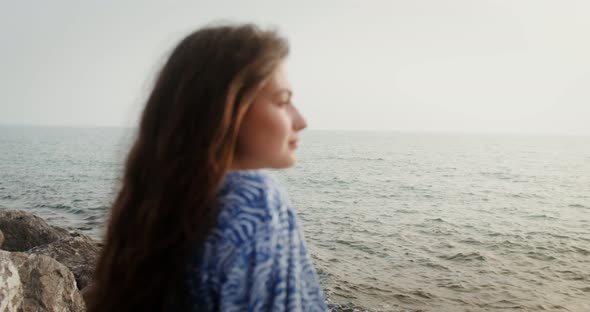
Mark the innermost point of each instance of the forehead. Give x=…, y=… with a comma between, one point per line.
x=279, y=79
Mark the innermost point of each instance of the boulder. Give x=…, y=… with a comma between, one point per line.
x=79, y=253
x=23, y=231
x=11, y=288
x=31, y=282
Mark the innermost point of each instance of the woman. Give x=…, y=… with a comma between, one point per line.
x=196, y=226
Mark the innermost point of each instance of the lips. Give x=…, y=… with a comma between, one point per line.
x=293, y=143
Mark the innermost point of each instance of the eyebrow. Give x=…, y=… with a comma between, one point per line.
x=288, y=91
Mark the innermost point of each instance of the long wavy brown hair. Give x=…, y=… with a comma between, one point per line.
x=185, y=144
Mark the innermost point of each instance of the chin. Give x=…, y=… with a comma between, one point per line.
x=286, y=163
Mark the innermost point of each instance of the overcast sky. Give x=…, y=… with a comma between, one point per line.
x=426, y=65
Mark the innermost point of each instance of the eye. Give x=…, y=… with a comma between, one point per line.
x=284, y=103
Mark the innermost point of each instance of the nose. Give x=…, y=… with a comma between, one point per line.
x=299, y=122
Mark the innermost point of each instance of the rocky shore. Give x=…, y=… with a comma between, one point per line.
x=47, y=268
x=42, y=267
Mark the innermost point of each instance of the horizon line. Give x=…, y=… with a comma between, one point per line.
x=409, y=131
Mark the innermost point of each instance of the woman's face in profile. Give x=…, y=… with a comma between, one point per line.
x=269, y=133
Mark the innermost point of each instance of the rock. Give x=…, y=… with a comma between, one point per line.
x=79, y=253
x=1, y=241
x=23, y=231
x=11, y=290
x=33, y=282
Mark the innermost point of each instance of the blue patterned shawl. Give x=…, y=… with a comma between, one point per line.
x=255, y=259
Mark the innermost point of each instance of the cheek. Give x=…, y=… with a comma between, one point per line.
x=278, y=131
x=264, y=129
x=268, y=135
x=271, y=125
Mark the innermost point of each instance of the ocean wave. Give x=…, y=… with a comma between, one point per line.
x=503, y=304
x=406, y=211
x=63, y=208
x=498, y=174
x=540, y=256
x=436, y=266
x=579, y=206
x=53, y=206
x=471, y=241
x=467, y=257
x=339, y=158
x=582, y=251
x=541, y=216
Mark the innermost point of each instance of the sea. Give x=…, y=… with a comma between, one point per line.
x=394, y=221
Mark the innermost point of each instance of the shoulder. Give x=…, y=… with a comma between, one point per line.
x=249, y=182
x=250, y=203
x=251, y=188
